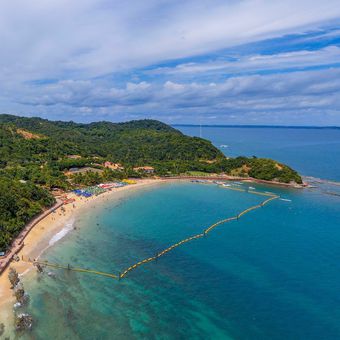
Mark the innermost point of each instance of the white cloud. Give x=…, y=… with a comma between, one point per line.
x=75, y=43
x=257, y=63
x=92, y=37
x=278, y=93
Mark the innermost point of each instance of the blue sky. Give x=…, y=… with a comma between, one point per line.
x=212, y=62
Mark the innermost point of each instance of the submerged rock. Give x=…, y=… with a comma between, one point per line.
x=20, y=295
x=40, y=268
x=2, y=329
x=17, y=305
x=23, y=322
x=52, y=275
x=13, y=277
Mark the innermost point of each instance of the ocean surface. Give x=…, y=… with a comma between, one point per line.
x=311, y=151
x=274, y=274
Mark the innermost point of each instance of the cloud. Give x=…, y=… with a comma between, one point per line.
x=92, y=37
x=99, y=58
x=276, y=93
x=294, y=60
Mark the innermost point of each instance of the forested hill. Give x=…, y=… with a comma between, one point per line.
x=38, y=155
x=133, y=142
x=35, y=153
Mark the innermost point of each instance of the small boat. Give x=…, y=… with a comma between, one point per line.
x=285, y=199
x=224, y=146
x=251, y=188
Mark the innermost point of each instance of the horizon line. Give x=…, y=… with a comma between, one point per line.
x=182, y=124
x=260, y=126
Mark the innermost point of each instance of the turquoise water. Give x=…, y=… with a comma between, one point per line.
x=274, y=274
x=311, y=151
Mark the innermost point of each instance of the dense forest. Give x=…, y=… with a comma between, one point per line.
x=135, y=142
x=36, y=155
x=19, y=202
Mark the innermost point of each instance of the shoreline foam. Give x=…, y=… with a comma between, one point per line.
x=48, y=232
x=62, y=233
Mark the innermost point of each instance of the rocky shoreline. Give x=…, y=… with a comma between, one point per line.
x=216, y=177
x=22, y=320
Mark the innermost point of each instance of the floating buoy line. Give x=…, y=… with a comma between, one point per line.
x=133, y=267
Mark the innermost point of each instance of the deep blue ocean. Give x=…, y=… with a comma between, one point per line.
x=274, y=274
x=312, y=151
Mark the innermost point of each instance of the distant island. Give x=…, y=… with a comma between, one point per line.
x=39, y=158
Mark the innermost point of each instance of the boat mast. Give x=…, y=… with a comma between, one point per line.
x=201, y=127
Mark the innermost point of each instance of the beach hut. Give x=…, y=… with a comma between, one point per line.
x=73, y=156
x=73, y=170
x=145, y=169
x=113, y=166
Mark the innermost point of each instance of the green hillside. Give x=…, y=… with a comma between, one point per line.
x=36, y=155
x=135, y=142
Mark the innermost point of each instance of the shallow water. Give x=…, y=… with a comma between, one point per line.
x=274, y=274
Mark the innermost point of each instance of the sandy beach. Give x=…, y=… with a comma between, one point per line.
x=48, y=228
